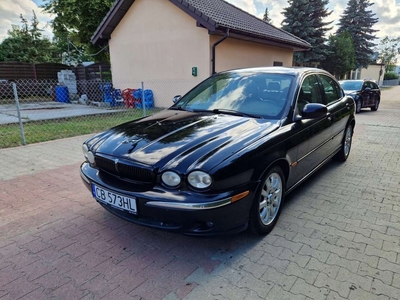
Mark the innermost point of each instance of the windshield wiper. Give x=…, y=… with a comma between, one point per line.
x=229, y=112
x=179, y=108
x=235, y=113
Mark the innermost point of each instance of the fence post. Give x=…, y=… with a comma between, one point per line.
x=21, y=127
x=143, y=102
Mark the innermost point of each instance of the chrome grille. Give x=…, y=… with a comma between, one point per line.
x=124, y=170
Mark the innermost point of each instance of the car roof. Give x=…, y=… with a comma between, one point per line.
x=352, y=80
x=357, y=80
x=296, y=71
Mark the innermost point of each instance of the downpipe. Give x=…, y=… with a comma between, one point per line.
x=213, y=50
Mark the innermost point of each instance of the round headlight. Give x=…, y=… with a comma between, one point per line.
x=171, y=179
x=85, y=150
x=90, y=157
x=199, y=179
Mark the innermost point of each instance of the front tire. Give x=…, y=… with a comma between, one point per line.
x=358, y=106
x=344, y=152
x=267, y=202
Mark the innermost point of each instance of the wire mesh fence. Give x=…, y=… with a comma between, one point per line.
x=33, y=111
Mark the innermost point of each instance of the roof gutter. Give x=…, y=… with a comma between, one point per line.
x=213, y=50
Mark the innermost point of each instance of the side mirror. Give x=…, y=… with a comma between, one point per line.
x=176, y=98
x=367, y=89
x=314, y=111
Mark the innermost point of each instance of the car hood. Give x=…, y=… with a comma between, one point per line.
x=182, y=140
x=351, y=92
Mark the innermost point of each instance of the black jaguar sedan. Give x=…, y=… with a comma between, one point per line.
x=224, y=156
x=366, y=93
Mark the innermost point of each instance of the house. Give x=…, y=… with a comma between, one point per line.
x=171, y=45
x=374, y=71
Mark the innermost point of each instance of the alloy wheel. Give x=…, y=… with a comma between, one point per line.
x=347, y=141
x=271, y=198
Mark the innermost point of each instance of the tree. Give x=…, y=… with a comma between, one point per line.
x=26, y=44
x=388, y=50
x=358, y=21
x=305, y=19
x=75, y=23
x=266, y=16
x=341, y=59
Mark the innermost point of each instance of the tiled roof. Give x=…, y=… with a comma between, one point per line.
x=215, y=15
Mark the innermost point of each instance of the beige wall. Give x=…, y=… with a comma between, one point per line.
x=157, y=41
x=372, y=72
x=232, y=53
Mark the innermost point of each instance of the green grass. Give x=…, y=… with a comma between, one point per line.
x=47, y=130
x=22, y=100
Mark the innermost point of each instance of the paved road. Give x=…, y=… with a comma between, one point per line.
x=338, y=236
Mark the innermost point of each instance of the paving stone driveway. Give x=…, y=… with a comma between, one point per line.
x=338, y=236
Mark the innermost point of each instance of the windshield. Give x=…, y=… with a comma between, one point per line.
x=351, y=85
x=257, y=94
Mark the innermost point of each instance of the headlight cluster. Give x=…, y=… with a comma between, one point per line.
x=171, y=179
x=196, y=179
x=89, y=156
x=199, y=179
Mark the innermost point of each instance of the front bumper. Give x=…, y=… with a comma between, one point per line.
x=179, y=211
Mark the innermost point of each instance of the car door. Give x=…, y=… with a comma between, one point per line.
x=318, y=132
x=375, y=93
x=338, y=108
x=366, y=94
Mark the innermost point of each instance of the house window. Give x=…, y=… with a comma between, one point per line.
x=278, y=63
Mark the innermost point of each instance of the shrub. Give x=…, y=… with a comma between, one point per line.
x=390, y=76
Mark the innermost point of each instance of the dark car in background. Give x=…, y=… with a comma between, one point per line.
x=224, y=156
x=366, y=93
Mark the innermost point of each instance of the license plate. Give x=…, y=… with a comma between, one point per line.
x=117, y=201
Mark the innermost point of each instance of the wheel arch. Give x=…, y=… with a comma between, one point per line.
x=282, y=164
x=352, y=122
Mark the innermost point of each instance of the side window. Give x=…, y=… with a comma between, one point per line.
x=371, y=85
x=310, y=92
x=332, y=90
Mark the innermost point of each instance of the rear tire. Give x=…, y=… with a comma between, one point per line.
x=376, y=106
x=267, y=202
x=344, y=152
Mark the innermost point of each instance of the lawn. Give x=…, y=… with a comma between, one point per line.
x=47, y=130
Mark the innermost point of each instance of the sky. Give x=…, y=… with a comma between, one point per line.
x=388, y=12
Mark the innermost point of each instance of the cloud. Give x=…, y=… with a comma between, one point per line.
x=10, y=11
x=246, y=5
x=275, y=10
x=388, y=12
